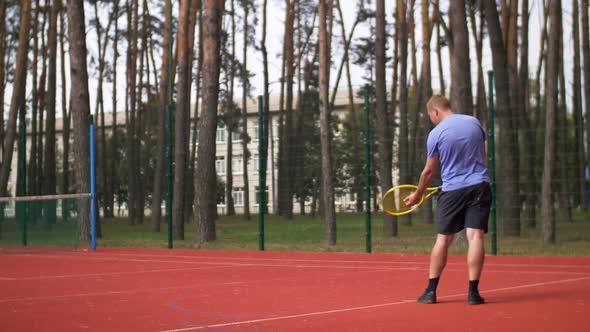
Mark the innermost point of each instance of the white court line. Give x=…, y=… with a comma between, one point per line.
x=109, y=273
x=384, y=269
x=486, y=270
x=228, y=260
x=227, y=264
x=344, y=261
x=319, y=313
x=148, y=290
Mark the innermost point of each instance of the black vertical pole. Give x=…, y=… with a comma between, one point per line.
x=367, y=174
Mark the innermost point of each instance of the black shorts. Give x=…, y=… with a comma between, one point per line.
x=462, y=208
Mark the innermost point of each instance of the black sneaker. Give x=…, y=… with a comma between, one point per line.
x=474, y=298
x=429, y=297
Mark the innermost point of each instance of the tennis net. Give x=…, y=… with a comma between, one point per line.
x=44, y=223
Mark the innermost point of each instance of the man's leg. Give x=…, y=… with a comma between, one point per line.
x=438, y=260
x=438, y=256
x=475, y=260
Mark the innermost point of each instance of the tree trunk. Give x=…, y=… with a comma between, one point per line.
x=562, y=140
x=99, y=111
x=286, y=129
x=205, y=231
x=529, y=143
x=425, y=92
x=179, y=120
x=32, y=166
x=441, y=75
x=133, y=162
x=18, y=94
x=139, y=114
x=229, y=117
x=403, y=149
x=162, y=123
x=66, y=114
x=113, y=183
x=530, y=212
x=412, y=34
x=41, y=90
x=266, y=107
x=508, y=196
x=383, y=126
x=283, y=189
x=2, y=74
x=50, y=172
x=580, y=186
x=327, y=192
x=586, y=57
x=80, y=106
x=478, y=36
x=394, y=79
x=245, y=136
x=504, y=12
x=195, y=6
x=547, y=210
x=193, y=158
x=414, y=116
x=461, y=96
x=516, y=110
x=297, y=153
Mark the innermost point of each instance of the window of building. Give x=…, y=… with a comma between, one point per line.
x=220, y=135
x=255, y=133
x=255, y=163
x=238, y=196
x=220, y=164
x=237, y=164
x=236, y=135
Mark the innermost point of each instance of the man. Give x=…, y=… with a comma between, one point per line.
x=458, y=143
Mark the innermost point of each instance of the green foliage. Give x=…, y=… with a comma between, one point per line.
x=307, y=147
x=147, y=166
x=352, y=170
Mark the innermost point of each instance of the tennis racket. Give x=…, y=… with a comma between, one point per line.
x=393, y=200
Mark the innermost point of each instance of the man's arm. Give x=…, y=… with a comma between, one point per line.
x=426, y=178
x=427, y=175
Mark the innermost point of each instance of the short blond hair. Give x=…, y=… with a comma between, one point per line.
x=438, y=101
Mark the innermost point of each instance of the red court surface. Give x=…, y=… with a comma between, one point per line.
x=183, y=290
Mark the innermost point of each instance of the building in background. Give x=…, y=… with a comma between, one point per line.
x=345, y=201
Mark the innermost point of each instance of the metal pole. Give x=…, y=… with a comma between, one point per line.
x=170, y=130
x=22, y=164
x=492, y=159
x=367, y=174
x=261, y=176
x=92, y=189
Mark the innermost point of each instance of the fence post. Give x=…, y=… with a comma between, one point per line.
x=367, y=174
x=22, y=172
x=169, y=134
x=492, y=159
x=261, y=176
x=92, y=188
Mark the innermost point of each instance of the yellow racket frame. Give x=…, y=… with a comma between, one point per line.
x=429, y=192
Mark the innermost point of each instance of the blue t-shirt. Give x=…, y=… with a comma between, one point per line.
x=458, y=142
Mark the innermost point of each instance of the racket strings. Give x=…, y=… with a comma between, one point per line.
x=394, y=201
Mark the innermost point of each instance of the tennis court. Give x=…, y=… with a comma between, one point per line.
x=162, y=290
